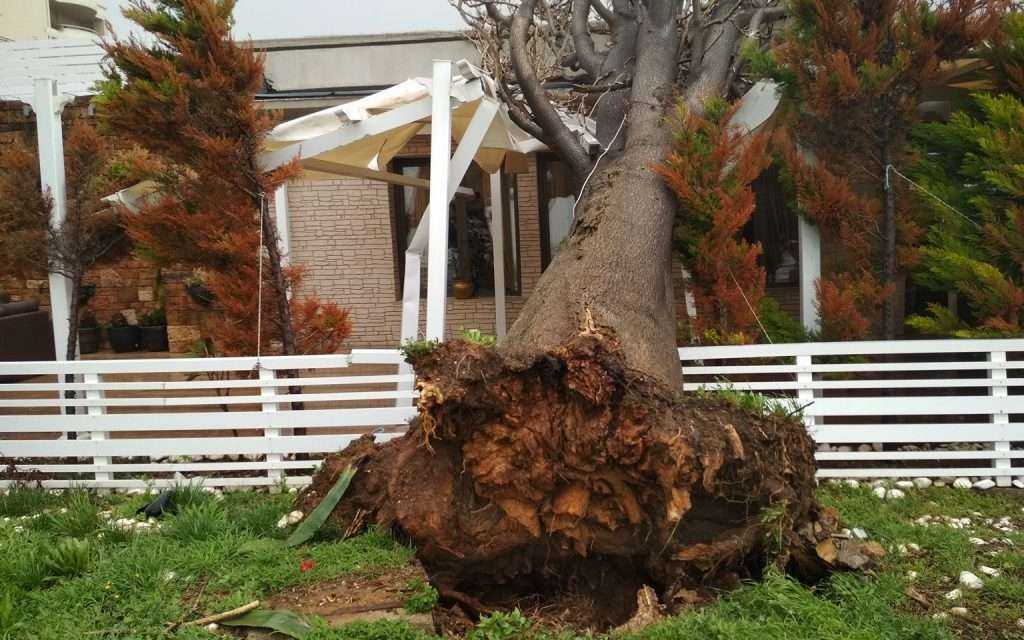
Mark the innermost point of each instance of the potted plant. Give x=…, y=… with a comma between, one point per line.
x=154, y=330
x=123, y=337
x=85, y=293
x=196, y=289
x=88, y=333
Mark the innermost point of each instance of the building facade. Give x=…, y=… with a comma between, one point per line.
x=51, y=19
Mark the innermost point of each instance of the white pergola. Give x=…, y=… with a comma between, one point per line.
x=47, y=75
x=360, y=138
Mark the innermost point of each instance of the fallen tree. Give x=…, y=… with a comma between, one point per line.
x=567, y=458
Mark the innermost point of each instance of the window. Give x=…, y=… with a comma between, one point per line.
x=556, y=205
x=470, y=250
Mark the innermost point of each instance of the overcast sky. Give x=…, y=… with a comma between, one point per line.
x=260, y=19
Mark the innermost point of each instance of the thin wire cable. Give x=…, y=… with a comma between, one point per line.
x=599, y=158
x=750, y=306
x=259, y=285
x=889, y=168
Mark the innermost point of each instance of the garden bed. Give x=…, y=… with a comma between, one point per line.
x=219, y=553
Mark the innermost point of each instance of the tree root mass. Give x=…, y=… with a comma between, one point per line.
x=571, y=473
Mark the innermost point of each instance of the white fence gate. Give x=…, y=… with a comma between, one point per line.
x=939, y=408
x=935, y=408
x=139, y=421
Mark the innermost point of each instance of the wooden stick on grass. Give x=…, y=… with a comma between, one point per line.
x=217, y=617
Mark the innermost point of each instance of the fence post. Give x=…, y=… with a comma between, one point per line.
x=271, y=407
x=804, y=396
x=998, y=389
x=97, y=410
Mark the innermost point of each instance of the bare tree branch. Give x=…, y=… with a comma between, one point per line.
x=606, y=14
x=544, y=112
x=579, y=26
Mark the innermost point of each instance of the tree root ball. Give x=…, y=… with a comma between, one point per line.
x=570, y=471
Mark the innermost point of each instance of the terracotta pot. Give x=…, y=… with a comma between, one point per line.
x=463, y=289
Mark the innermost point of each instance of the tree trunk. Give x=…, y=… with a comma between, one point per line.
x=278, y=282
x=889, y=263
x=614, y=270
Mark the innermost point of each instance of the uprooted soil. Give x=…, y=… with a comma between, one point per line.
x=571, y=476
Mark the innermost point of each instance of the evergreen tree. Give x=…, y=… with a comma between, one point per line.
x=188, y=97
x=974, y=245
x=856, y=71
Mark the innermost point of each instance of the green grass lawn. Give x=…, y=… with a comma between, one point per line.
x=70, y=574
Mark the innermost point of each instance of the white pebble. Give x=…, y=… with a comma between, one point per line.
x=860, y=534
x=283, y=522
x=989, y=571
x=955, y=594
x=1018, y=484
x=962, y=483
x=1020, y=623
x=922, y=483
x=295, y=517
x=912, y=575
x=984, y=484
x=879, y=492
x=942, y=615
x=905, y=484
x=959, y=611
x=970, y=580
x=913, y=547
x=894, y=494
x=853, y=484
x=213, y=626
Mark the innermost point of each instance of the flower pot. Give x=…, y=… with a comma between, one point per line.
x=154, y=338
x=463, y=289
x=88, y=340
x=123, y=339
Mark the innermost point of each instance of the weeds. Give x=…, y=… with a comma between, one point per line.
x=752, y=402
x=198, y=521
x=475, y=336
x=423, y=597
x=23, y=500
x=415, y=349
x=501, y=626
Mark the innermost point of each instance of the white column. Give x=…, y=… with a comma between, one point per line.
x=284, y=233
x=48, y=104
x=440, y=156
x=498, y=245
x=810, y=273
x=999, y=389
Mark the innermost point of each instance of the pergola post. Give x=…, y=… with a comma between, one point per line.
x=284, y=233
x=810, y=273
x=48, y=104
x=440, y=156
x=498, y=246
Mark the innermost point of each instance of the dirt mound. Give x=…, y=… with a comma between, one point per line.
x=570, y=474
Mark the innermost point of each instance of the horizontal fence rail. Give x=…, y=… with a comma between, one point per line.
x=912, y=408
x=236, y=421
x=939, y=409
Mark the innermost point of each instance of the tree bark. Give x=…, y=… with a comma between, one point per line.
x=615, y=268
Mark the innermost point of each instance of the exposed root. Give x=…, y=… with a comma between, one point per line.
x=571, y=472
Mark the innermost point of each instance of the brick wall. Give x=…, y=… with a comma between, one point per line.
x=341, y=232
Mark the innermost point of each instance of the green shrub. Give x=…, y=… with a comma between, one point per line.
x=500, y=626
x=10, y=612
x=781, y=326
x=198, y=522
x=423, y=597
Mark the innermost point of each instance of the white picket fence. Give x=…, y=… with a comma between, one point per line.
x=176, y=414
x=888, y=409
x=876, y=409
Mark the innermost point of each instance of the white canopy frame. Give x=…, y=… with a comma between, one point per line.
x=485, y=138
